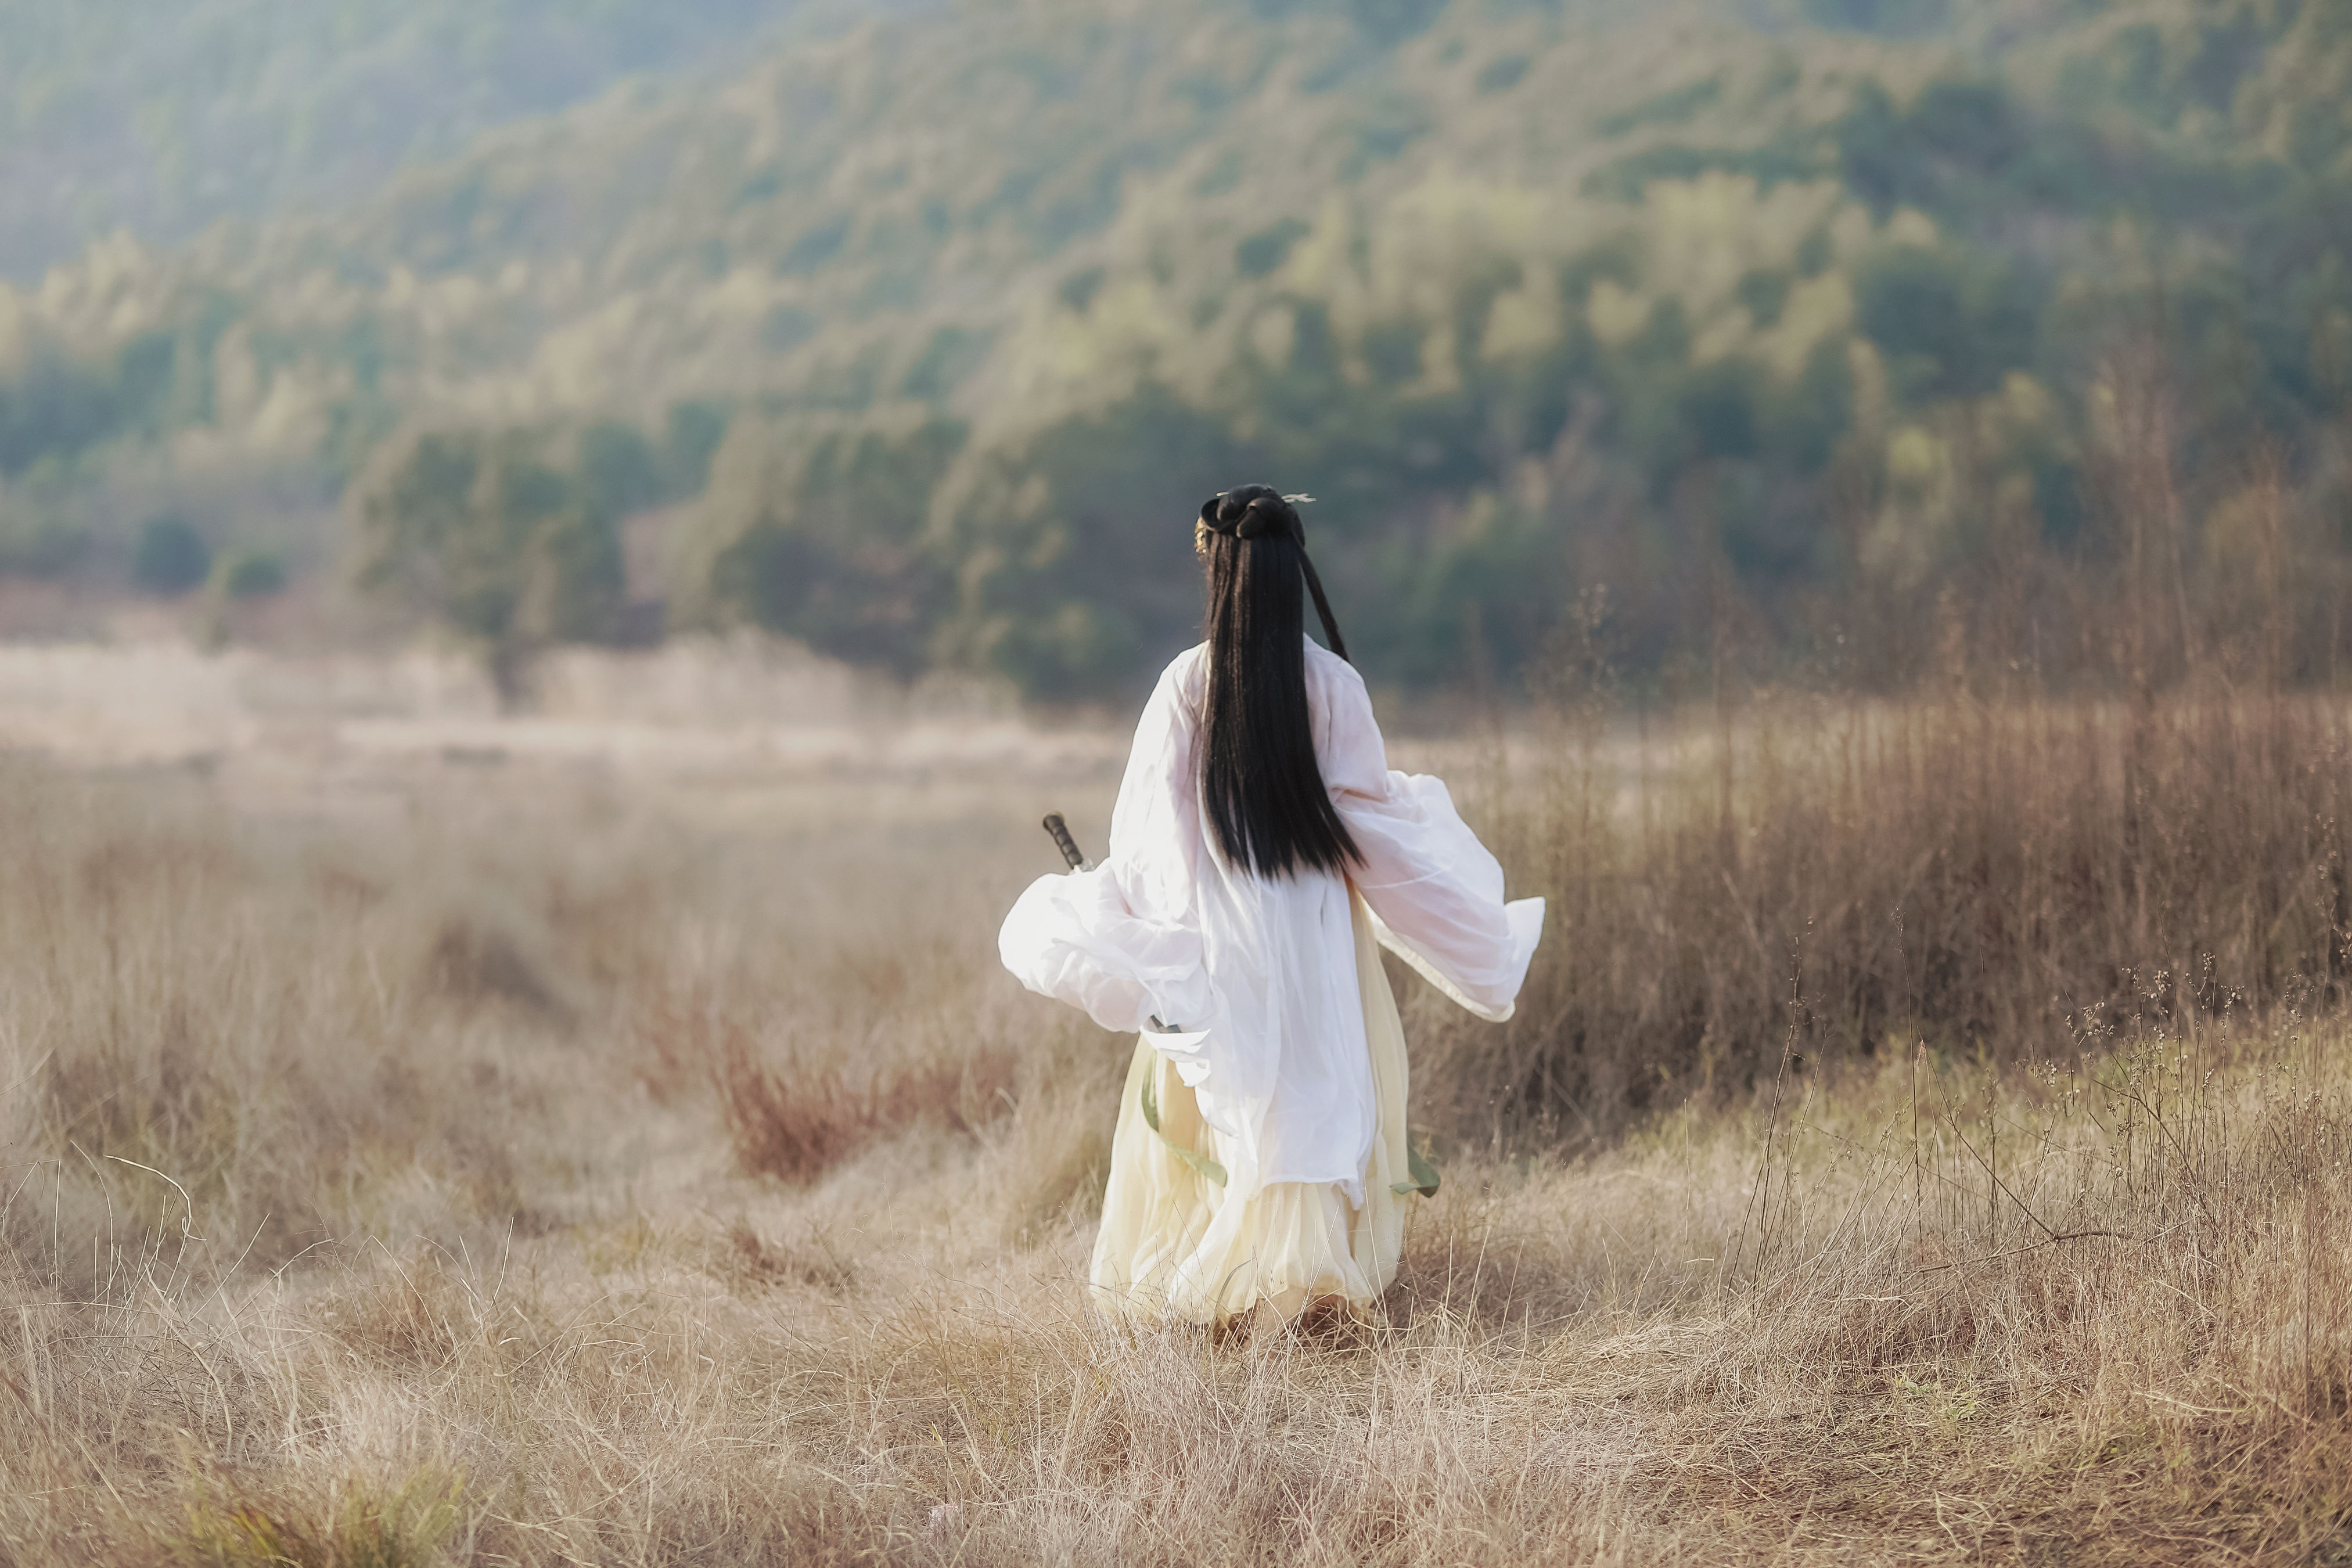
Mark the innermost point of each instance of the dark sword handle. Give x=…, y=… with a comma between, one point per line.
x=1065, y=843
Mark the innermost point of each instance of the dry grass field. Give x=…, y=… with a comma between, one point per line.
x=1926, y=1138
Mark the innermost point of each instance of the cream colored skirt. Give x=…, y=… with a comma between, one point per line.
x=1172, y=1246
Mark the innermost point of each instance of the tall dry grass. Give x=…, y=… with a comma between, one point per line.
x=545, y=1173
x=2024, y=881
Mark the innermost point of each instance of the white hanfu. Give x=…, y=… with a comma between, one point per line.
x=1282, y=1070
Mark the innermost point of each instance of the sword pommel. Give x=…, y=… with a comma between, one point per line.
x=1065, y=844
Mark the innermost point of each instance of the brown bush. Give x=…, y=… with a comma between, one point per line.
x=797, y=1120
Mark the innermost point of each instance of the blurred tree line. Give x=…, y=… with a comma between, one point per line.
x=1883, y=341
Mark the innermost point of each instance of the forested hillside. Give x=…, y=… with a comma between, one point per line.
x=1836, y=332
x=160, y=119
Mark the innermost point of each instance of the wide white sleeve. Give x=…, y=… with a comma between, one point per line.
x=1435, y=892
x=1122, y=941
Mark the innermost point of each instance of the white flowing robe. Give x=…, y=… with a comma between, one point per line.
x=1256, y=976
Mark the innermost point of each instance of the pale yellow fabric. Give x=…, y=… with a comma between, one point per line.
x=1172, y=1246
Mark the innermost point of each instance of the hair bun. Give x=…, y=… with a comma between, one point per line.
x=1250, y=512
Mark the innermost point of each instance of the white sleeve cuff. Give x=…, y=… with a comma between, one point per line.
x=1523, y=918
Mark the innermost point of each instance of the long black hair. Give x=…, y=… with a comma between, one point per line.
x=1267, y=809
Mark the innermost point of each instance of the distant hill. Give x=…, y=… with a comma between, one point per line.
x=162, y=118
x=932, y=333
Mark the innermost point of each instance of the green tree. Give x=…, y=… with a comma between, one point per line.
x=171, y=557
x=250, y=574
x=487, y=535
x=818, y=532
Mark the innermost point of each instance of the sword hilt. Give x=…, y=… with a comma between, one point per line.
x=1065, y=844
